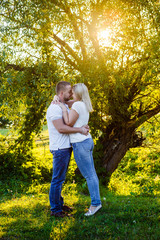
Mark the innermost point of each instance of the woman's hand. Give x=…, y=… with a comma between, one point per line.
x=55, y=99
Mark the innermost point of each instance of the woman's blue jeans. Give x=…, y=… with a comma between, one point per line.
x=61, y=159
x=83, y=154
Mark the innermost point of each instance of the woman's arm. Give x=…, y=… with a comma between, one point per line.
x=70, y=118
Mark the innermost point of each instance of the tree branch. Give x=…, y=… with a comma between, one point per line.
x=69, y=61
x=77, y=33
x=67, y=47
x=144, y=117
x=93, y=39
x=15, y=67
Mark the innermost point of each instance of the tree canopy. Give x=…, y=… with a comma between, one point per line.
x=111, y=46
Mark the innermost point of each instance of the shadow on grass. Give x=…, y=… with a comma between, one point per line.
x=122, y=217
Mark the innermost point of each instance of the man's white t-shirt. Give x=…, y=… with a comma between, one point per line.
x=83, y=119
x=57, y=140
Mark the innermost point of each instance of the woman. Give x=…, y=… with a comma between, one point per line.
x=83, y=145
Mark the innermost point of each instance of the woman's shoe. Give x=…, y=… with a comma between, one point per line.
x=92, y=211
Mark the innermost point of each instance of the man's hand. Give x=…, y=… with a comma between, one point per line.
x=85, y=130
x=86, y=126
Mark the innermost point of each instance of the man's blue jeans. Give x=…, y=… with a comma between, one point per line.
x=83, y=154
x=61, y=159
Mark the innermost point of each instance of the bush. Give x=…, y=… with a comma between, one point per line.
x=137, y=174
x=11, y=164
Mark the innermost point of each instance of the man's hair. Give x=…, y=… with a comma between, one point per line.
x=61, y=86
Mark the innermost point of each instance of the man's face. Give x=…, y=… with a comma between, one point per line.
x=67, y=94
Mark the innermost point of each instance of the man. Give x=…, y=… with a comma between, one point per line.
x=60, y=147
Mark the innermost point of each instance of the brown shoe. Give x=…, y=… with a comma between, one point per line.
x=67, y=209
x=58, y=214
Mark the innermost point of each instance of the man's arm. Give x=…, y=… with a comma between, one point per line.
x=62, y=128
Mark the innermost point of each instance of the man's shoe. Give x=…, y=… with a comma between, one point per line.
x=67, y=209
x=58, y=214
x=92, y=211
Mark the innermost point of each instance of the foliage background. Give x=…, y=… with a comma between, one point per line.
x=43, y=42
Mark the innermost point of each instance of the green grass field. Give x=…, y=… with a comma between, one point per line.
x=4, y=132
x=25, y=210
x=25, y=214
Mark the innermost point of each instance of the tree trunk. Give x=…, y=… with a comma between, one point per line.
x=112, y=147
x=116, y=143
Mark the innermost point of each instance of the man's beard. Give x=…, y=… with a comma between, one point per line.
x=66, y=99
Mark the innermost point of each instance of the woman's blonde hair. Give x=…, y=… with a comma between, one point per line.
x=81, y=92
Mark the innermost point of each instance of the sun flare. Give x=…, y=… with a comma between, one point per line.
x=104, y=37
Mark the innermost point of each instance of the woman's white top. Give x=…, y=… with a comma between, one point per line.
x=83, y=119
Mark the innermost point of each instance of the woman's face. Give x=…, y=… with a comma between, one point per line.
x=75, y=98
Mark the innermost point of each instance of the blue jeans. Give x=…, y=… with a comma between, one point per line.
x=61, y=159
x=83, y=154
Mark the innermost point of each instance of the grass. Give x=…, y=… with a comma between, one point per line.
x=4, y=132
x=25, y=210
x=25, y=214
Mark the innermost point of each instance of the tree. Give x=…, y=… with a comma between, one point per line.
x=122, y=75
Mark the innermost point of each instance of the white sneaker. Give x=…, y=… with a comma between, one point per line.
x=91, y=212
